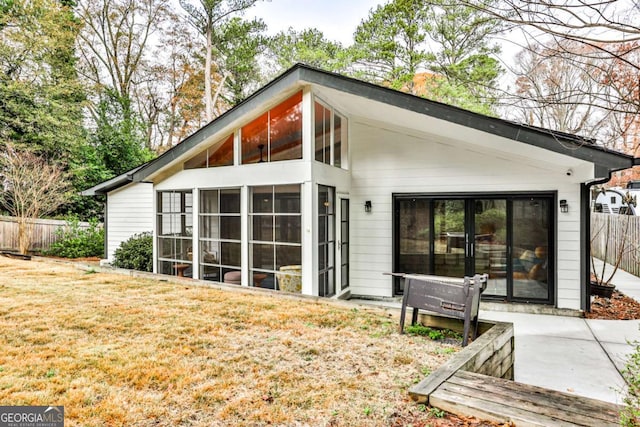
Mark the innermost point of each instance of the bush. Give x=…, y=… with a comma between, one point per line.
x=630, y=415
x=136, y=253
x=76, y=242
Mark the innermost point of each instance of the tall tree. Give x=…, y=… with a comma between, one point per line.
x=206, y=17
x=390, y=42
x=310, y=47
x=451, y=44
x=41, y=98
x=117, y=43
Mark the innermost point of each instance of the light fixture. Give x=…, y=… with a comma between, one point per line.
x=564, y=206
x=367, y=206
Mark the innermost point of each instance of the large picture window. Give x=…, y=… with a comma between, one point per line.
x=331, y=143
x=219, y=154
x=275, y=135
x=220, y=235
x=276, y=245
x=175, y=230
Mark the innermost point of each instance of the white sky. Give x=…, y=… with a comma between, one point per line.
x=337, y=19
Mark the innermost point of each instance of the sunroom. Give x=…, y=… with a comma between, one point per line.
x=258, y=200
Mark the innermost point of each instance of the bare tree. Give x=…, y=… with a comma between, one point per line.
x=552, y=91
x=117, y=50
x=32, y=187
x=600, y=37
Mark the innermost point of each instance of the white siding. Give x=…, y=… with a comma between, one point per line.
x=384, y=162
x=129, y=212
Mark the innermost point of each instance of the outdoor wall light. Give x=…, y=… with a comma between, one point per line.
x=564, y=206
x=367, y=206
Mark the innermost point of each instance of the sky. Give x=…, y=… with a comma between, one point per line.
x=337, y=19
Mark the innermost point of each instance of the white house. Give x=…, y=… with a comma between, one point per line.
x=327, y=182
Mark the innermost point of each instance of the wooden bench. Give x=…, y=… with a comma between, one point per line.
x=448, y=296
x=500, y=400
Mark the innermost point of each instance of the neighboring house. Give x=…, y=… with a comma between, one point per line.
x=615, y=201
x=322, y=183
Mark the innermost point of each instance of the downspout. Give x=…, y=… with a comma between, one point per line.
x=585, y=238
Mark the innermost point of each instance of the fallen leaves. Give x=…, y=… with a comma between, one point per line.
x=618, y=307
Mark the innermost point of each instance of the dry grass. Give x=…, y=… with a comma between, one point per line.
x=119, y=351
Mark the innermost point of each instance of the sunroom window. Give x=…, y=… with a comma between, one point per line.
x=330, y=136
x=220, y=235
x=219, y=154
x=275, y=135
x=276, y=245
x=175, y=228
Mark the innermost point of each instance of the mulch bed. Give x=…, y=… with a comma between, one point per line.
x=618, y=307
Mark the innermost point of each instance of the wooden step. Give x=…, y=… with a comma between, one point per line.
x=496, y=399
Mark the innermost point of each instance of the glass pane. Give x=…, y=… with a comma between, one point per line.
x=209, y=227
x=325, y=200
x=230, y=254
x=230, y=201
x=209, y=252
x=263, y=280
x=166, y=248
x=288, y=255
x=286, y=129
x=414, y=233
x=287, y=198
x=221, y=153
x=449, y=238
x=530, y=248
x=198, y=161
x=209, y=201
x=230, y=227
x=323, y=225
x=322, y=125
x=208, y=272
x=254, y=139
x=165, y=267
x=262, y=256
x=288, y=229
x=263, y=228
x=491, y=244
x=337, y=141
x=262, y=199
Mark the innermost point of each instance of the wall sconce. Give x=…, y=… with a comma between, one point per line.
x=367, y=206
x=564, y=206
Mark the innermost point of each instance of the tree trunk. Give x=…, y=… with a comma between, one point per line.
x=207, y=77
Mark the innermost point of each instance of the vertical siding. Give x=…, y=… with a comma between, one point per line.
x=129, y=212
x=614, y=238
x=384, y=162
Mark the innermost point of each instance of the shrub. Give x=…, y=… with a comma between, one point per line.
x=76, y=242
x=630, y=415
x=136, y=253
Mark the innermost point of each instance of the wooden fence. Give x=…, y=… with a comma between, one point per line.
x=612, y=235
x=44, y=233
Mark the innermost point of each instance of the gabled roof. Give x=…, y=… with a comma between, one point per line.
x=112, y=184
x=605, y=161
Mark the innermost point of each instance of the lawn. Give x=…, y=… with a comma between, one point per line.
x=116, y=351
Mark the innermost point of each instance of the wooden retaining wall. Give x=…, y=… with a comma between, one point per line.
x=611, y=234
x=492, y=354
x=44, y=233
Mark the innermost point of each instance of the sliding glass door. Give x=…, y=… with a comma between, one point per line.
x=508, y=237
